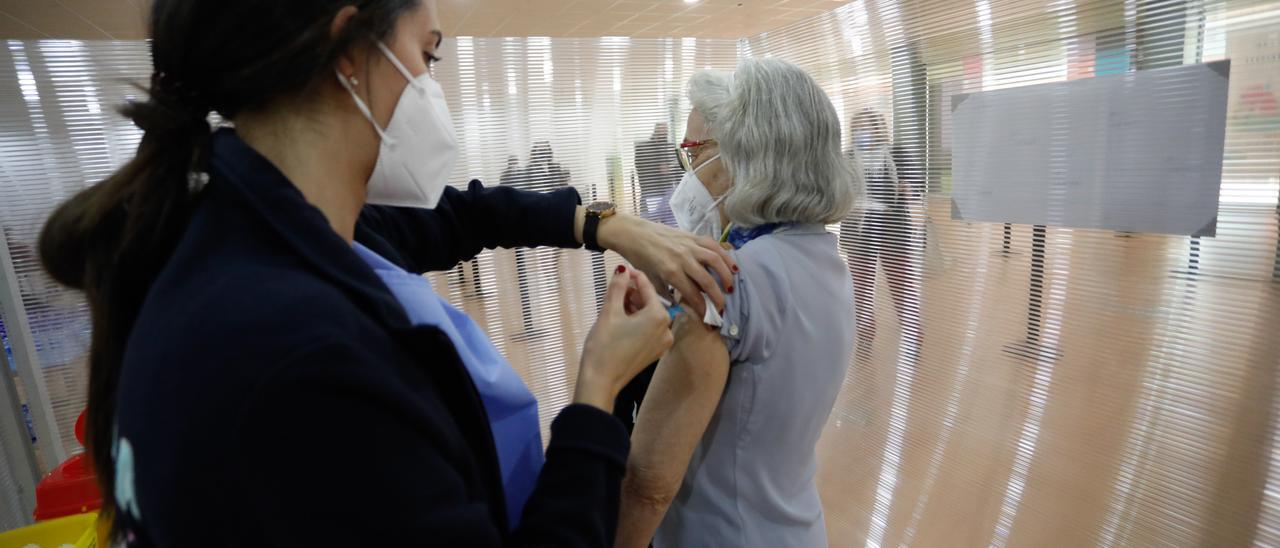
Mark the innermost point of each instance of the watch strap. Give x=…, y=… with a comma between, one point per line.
x=589, y=229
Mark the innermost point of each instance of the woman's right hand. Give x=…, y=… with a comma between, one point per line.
x=633, y=331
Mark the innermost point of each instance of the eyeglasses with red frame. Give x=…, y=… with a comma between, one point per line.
x=686, y=152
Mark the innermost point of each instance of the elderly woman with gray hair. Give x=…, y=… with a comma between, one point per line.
x=723, y=452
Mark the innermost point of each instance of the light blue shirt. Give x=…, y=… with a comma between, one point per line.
x=789, y=327
x=512, y=409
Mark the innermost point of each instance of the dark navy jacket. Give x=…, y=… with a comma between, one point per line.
x=275, y=394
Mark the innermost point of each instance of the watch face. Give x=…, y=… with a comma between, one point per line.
x=600, y=208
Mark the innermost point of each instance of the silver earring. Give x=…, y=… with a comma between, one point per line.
x=353, y=80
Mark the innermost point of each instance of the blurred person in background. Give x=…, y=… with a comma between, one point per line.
x=511, y=174
x=658, y=171
x=724, y=447
x=883, y=227
x=543, y=172
x=515, y=176
x=268, y=367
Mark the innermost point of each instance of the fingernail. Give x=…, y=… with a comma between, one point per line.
x=621, y=269
x=735, y=269
x=731, y=289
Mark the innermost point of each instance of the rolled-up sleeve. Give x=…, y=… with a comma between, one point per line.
x=753, y=312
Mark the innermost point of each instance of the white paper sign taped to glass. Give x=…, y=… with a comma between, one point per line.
x=1138, y=152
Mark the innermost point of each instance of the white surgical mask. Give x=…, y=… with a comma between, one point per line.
x=693, y=206
x=418, y=147
x=862, y=139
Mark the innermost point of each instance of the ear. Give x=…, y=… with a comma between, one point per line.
x=346, y=64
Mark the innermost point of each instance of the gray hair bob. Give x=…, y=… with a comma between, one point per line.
x=779, y=138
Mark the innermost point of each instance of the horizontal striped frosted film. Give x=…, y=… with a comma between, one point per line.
x=1026, y=385
x=1013, y=384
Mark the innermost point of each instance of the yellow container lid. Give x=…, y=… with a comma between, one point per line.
x=78, y=531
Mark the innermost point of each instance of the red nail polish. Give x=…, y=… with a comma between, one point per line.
x=731, y=289
x=621, y=269
x=735, y=269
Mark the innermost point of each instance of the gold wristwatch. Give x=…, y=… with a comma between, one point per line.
x=595, y=212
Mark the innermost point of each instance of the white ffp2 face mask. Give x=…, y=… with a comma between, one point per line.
x=693, y=206
x=418, y=147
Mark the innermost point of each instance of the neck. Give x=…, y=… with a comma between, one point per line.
x=317, y=153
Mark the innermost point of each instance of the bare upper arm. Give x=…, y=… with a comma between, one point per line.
x=682, y=397
x=685, y=391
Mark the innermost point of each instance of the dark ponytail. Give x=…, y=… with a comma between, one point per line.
x=113, y=239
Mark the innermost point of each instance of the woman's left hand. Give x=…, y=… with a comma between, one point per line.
x=680, y=259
